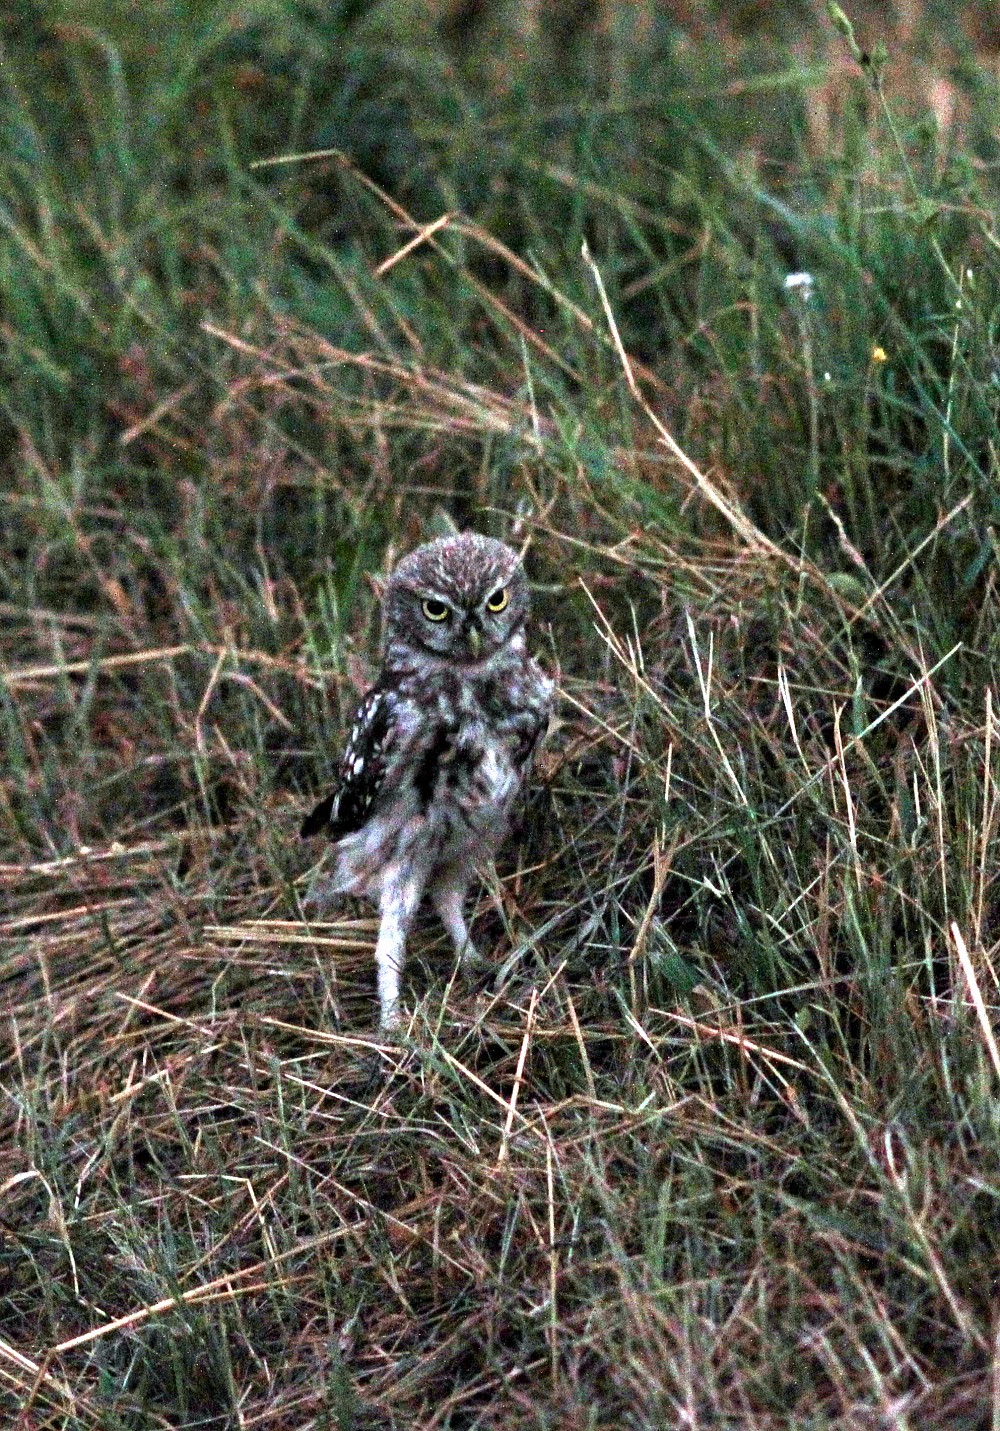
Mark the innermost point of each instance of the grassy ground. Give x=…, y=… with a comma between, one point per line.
x=719, y=1144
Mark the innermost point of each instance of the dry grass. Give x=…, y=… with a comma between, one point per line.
x=704, y=1148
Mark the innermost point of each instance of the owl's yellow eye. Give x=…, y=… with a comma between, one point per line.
x=435, y=610
x=498, y=600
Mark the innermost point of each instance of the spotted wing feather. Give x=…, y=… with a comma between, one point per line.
x=362, y=770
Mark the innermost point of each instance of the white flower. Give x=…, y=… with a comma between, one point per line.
x=801, y=283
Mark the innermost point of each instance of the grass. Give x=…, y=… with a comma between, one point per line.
x=719, y=1143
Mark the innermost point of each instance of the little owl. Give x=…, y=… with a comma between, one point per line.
x=440, y=745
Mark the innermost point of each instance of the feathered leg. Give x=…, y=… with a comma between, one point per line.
x=448, y=895
x=397, y=906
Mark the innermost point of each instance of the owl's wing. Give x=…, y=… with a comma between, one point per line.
x=362, y=769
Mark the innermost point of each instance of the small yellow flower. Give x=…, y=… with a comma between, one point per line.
x=879, y=354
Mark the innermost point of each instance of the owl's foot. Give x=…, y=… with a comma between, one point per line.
x=391, y=1023
x=473, y=963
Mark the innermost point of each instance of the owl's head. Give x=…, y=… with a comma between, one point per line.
x=462, y=598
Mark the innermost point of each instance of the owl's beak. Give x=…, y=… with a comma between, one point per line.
x=475, y=640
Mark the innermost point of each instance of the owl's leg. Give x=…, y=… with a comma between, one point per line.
x=397, y=906
x=449, y=901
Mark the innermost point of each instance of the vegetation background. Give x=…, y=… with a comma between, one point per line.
x=284, y=285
